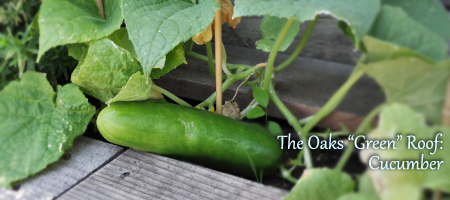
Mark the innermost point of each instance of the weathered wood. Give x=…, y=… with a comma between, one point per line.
x=82, y=159
x=140, y=175
x=327, y=42
x=304, y=86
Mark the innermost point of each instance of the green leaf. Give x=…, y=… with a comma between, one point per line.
x=378, y=50
x=393, y=25
x=358, y=14
x=366, y=190
x=173, y=59
x=275, y=128
x=156, y=27
x=121, y=38
x=398, y=119
x=271, y=28
x=261, y=96
x=38, y=125
x=321, y=184
x=256, y=112
x=105, y=70
x=431, y=14
x=413, y=82
x=136, y=89
x=77, y=50
x=74, y=21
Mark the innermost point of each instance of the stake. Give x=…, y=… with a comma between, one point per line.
x=218, y=52
x=100, y=8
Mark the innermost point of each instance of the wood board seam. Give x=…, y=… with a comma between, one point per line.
x=187, y=178
x=118, y=153
x=230, y=185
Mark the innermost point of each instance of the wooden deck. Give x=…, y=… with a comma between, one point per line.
x=97, y=170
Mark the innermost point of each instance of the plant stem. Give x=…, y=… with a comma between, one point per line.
x=334, y=101
x=361, y=129
x=299, y=47
x=212, y=71
x=293, y=122
x=224, y=61
x=274, y=52
x=188, y=46
x=230, y=80
x=170, y=95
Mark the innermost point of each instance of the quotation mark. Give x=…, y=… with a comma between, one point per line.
x=399, y=137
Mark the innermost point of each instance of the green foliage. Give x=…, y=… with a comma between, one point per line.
x=413, y=82
x=393, y=25
x=274, y=128
x=398, y=119
x=156, y=27
x=321, y=184
x=358, y=14
x=256, y=112
x=72, y=21
x=260, y=96
x=38, y=125
x=105, y=70
x=270, y=28
x=17, y=51
x=14, y=12
x=430, y=14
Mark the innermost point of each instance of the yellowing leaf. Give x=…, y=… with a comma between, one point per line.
x=227, y=11
x=204, y=36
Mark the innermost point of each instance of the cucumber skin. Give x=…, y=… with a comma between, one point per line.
x=191, y=134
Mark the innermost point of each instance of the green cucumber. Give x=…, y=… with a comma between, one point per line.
x=191, y=134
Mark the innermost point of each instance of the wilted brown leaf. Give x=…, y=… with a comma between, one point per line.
x=227, y=11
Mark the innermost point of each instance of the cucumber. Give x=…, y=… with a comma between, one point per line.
x=191, y=134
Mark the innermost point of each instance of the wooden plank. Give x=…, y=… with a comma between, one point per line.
x=86, y=156
x=327, y=42
x=304, y=86
x=140, y=175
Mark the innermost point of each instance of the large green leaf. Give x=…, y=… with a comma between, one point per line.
x=38, y=125
x=270, y=28
x=121, y=38
x=77, y=50
x=157, y=26
x=413, y=82
x=105, y=70
x=136, y=89
x=393, y=25
x=366, y=190
x=358, y=14
x=172, y=60
x=74, y=21
x=321, y=184
x=378, y=50
x=430, y=13
x=398, y=119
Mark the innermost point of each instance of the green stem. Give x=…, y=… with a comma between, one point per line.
x=334, y=100
x=209, y=52
x=361, y=129
x=274, y=52
x=171, y=96
x=188, y=46
x=230, y=80
x=293, y=122
x=299, y=47
x=204, y=58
